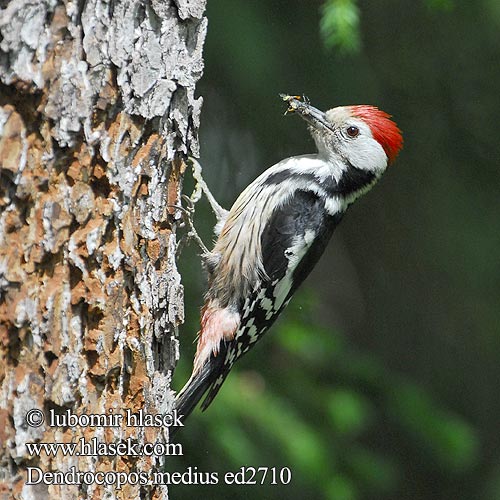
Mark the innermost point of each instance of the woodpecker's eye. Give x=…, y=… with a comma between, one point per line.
x=352, y=131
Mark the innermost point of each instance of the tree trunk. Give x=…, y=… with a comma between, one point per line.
x=97, y=114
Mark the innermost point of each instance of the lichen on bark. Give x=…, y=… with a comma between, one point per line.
x=97, y=114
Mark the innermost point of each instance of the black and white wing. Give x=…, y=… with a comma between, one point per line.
x=292, y=242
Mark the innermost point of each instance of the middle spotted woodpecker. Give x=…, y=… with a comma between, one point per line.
x=277, y=230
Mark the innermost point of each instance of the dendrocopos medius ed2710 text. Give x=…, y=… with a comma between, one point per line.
x=277, y=230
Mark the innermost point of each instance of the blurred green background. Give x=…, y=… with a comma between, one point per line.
x=381, y=379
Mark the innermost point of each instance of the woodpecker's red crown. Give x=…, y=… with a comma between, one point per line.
x=383, y=129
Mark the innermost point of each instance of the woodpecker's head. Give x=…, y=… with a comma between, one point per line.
x=363, y=136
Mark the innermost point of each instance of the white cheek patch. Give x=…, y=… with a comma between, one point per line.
x=368, y=155
x=365, y=152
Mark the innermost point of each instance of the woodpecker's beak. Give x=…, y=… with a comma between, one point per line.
x=310, y=114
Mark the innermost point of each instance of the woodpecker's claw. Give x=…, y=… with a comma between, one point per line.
x=201, y=187
x=188, y=219
x=188, y=211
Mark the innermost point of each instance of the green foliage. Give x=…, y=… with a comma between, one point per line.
x=443, y=5
x=376, y=471
x=340, y=488
x=450, y=441
x=339, y=25
x=380, y=379
x=349, y=412
x=348, y=397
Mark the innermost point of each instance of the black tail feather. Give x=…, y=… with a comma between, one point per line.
x=214, y=389
x=193, y=391
x=197, y=386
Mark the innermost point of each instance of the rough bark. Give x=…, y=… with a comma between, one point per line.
x=97, y=113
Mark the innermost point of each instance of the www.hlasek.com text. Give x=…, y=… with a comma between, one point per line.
x=127, y=447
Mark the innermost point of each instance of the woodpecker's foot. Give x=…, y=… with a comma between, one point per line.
x=187, y=213
x=201, y=187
